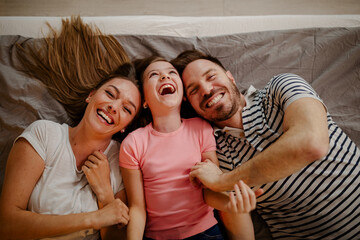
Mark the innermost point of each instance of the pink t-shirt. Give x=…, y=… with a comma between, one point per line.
x=175, y=208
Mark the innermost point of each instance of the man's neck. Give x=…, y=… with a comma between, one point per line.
x=235, y=121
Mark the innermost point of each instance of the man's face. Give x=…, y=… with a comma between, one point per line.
x=211, y=91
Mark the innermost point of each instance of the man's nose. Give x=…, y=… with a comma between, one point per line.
x=206, y=88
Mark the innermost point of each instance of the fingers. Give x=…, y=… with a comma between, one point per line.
x=245, y=198
x=259, y=192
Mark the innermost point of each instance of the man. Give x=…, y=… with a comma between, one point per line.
x=281, y=139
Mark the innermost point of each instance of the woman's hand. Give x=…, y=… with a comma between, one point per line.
x=116, y=212
x=97, y=172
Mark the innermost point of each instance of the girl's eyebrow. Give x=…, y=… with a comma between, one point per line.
x=128, y=100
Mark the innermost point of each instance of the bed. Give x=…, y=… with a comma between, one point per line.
x=323, y=49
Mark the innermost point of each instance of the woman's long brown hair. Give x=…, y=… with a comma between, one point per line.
x=72, y=62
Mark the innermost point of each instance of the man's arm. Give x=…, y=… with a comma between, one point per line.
x=305, y=139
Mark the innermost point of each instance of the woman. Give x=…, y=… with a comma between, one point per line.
x=155, y=162
x=64, y=180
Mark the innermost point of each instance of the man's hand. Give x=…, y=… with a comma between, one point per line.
x=97, y=172
x=207, y=173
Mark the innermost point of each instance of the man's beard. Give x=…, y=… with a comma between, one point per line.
x=224, y=112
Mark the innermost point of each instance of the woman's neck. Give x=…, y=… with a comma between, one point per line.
x=83, y=143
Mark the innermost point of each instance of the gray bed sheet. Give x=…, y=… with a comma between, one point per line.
x=328, y=58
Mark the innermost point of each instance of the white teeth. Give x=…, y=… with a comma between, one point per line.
x=172, y=89
x=105, y=116
x=215, y=100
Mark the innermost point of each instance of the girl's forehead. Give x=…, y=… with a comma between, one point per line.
x=159, y=65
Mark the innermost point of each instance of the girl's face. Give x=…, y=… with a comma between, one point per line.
x=162, y=86
x=113, y=106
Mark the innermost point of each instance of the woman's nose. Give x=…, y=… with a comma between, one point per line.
x=111, y=109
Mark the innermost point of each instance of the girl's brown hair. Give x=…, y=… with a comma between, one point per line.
x=72, y=62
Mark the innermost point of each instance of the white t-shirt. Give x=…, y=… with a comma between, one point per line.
x=62, y=189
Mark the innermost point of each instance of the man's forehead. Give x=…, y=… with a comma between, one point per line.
x=198, y=68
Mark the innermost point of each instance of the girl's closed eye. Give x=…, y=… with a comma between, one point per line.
x=173, y=72
x=153, y=74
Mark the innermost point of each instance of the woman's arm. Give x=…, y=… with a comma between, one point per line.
x=134, y=187
x=24, y=168
x=97, y=172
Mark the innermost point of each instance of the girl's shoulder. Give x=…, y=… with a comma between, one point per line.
x=197, y=122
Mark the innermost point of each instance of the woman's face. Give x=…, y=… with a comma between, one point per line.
x=113, y=106
x=162, y=86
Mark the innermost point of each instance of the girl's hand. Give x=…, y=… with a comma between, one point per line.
x=97, y=172
x=243, y=200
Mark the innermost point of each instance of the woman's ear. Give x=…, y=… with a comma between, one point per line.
x=90, y=96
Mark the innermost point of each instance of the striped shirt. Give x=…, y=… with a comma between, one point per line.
x=321, y=201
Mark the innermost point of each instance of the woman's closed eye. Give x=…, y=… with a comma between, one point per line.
x=127, y=110
x=109, y=93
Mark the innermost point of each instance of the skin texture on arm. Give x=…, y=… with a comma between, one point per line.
x=24, y=168
x=305, y=139
x=134, y=187
x=97, y=172
x=235, y=207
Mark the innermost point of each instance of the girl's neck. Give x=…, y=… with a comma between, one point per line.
x=167, y=123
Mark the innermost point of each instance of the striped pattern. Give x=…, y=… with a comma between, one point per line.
x=319, y=202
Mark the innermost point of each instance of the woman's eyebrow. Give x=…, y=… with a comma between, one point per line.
x=118, y=92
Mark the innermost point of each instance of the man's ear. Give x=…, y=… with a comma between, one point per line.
x=230, y=76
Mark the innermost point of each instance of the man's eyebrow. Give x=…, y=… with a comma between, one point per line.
x=118, y=92
x=203, y=75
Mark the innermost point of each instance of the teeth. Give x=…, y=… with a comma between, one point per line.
x=215, y=100
x=167, y=86
x=102, y=114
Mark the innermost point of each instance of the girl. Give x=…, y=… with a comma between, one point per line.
x=156, y=160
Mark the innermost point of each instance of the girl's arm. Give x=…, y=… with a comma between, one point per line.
x=24, y=168
x=235, y=207
x=134, y=187
x=97, y=171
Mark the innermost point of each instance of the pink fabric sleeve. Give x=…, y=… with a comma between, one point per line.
x=128, y=156
x=208, y=143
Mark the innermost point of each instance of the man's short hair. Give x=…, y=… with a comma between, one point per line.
x=186, y=57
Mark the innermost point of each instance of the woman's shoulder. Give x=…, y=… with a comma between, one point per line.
x=45, y=128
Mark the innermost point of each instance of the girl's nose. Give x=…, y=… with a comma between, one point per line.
x=164, y=76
